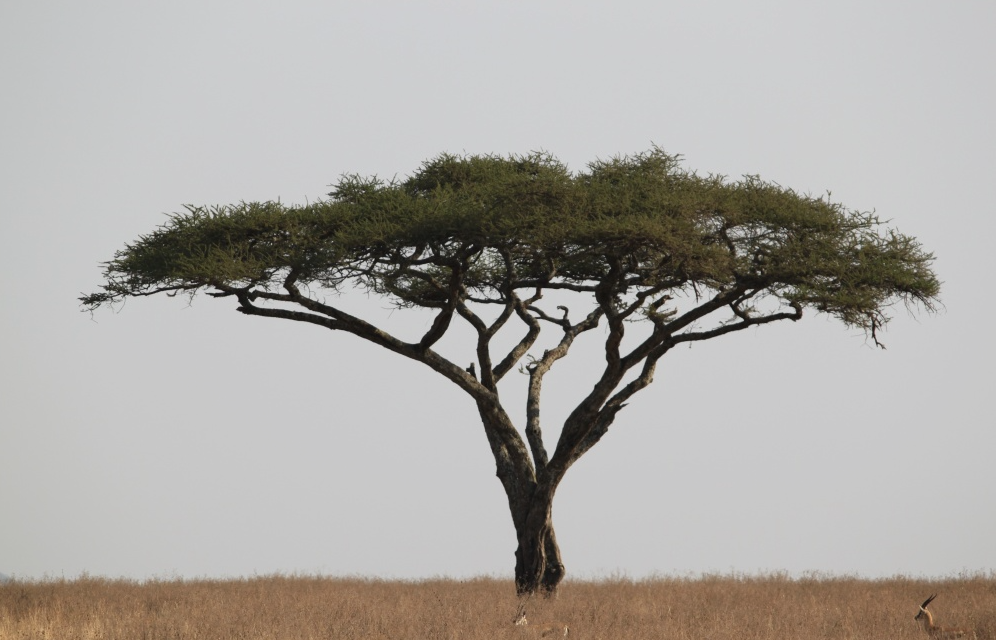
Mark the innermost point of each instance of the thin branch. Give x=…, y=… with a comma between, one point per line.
x=695, y=336
x=527, y=341
x=114, y=293
x=514, y=304
x=533, y=283
x=542, y=315
x=875, y=325
x=483, y=344
x=537, y=371
x=439, y=326
x=335, y=319
x=722, y=299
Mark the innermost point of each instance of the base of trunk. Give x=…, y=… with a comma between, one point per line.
x=538, y=567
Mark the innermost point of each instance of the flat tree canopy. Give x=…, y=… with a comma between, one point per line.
x=483, y=238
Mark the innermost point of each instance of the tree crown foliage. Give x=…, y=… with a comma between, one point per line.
x=491, y=226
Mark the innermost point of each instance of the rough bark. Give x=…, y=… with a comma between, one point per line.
x=538, y=564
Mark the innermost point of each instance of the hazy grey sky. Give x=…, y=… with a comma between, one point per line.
x=171, y=439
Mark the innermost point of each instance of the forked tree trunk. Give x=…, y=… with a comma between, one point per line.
x=538, y=565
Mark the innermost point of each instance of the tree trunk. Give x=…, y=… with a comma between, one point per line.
x=553, y=573
x=538, y=565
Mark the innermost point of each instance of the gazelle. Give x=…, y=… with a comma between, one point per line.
x=540, y=629
x=934, y=631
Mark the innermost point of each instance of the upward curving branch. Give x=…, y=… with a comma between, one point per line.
x=537, y=370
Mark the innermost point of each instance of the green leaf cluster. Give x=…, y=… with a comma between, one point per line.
x=483, y=227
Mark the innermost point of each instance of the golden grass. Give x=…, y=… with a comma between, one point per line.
x=293, y=607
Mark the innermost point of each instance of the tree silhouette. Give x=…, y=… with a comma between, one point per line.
x=653, y=253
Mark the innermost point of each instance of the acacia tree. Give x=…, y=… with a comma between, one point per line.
x=482, y=240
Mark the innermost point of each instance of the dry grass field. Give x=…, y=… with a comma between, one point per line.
x=282, y=607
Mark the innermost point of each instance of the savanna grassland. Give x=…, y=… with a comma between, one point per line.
x=295, y=607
